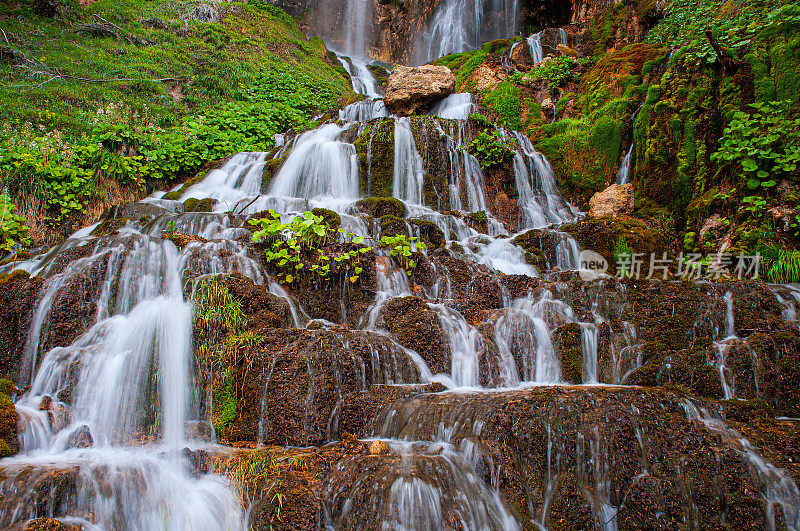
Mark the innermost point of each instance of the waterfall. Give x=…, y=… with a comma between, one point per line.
x=539, y=197
x=460, y=25
x=535, y=47
x=408, y=173
x=319, y=165
x=623, y=176
x=454, y=107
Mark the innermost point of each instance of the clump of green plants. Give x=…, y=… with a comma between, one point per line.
x=480, y=217
x=779, y=264
x=13, y=232
x=218, y=316
x=403, y=249
x=504, y=100
x=480, y=119
x=491, y=149
x=755, y=205
x=621, y=248
x=762, y=146
x=307, y=246
x=557, y=71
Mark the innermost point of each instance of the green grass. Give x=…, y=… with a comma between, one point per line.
x=83, y=112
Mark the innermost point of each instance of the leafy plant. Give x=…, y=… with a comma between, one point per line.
x=763, y=146
x=170, y=232
x=556, y=71
x=403, y=249
x=13, y=231
x=782, y=266
x=479, y=217
x=480, y=119
x=621, y=248
x=305, y=247
x=491, y=149
x=755, y=205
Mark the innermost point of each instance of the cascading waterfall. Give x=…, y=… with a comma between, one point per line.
x=130, y=372
x=623, y=176
x=539, y=197
x=408, y=173
x=535, y=47
x=460, y=25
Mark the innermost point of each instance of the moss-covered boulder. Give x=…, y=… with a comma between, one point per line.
x=602, y=234
x=377, y=207
x=199, y=205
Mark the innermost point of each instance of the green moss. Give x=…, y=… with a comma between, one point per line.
x=504, y=101
x=333, y=219
x=225, y=405
x=375, y=151
x=199, y=205
x=382, y=206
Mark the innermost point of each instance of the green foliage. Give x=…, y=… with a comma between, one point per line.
x=491, y=149
x=734, y=26
x=480, y=119
x=403, y=249
x=556, y=71
x=621, y=248
x=504, y=100
x=306, y=246
x=13, y=232
x=755, y=205
x=479, y=217
x=763, y=146
x=228, y=85
x=782, y=266
x=225, y=403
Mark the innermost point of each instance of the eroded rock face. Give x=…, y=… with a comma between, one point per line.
x=18, y=297
x=412, y=90
x=615, y=200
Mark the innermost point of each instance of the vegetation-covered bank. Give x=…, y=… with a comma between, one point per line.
x=707, y=93
x=103, y=100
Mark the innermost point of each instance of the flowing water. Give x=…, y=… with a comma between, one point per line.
x=118, y=403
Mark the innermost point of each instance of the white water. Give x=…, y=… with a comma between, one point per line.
x=773, y=483
x=408, y=172
x=535, y=47
x=461, y=25
x=454, y=107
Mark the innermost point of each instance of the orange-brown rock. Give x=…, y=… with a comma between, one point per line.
x=413, y=90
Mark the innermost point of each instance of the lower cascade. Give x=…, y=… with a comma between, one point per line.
x=368, y=327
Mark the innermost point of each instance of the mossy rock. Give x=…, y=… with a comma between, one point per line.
x=333, y=219
x=199, y=205
x=567, y=340
x=375, y=151
x=430, y=233
x=600, y=235
x=533, y=244
x=110, y=226
x=378, y=207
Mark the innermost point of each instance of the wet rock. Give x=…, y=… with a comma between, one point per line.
x=197, y=461
x=199, y=205
x=315, y=368
x=382, y=206
x=18, y=298
x=262, y=308
x=412, y=90
x=80, y=438
x=567, y=342
x=615, y=200
x=580, y=452
x=416, y=326
x=146, y=211
x=49, y=524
